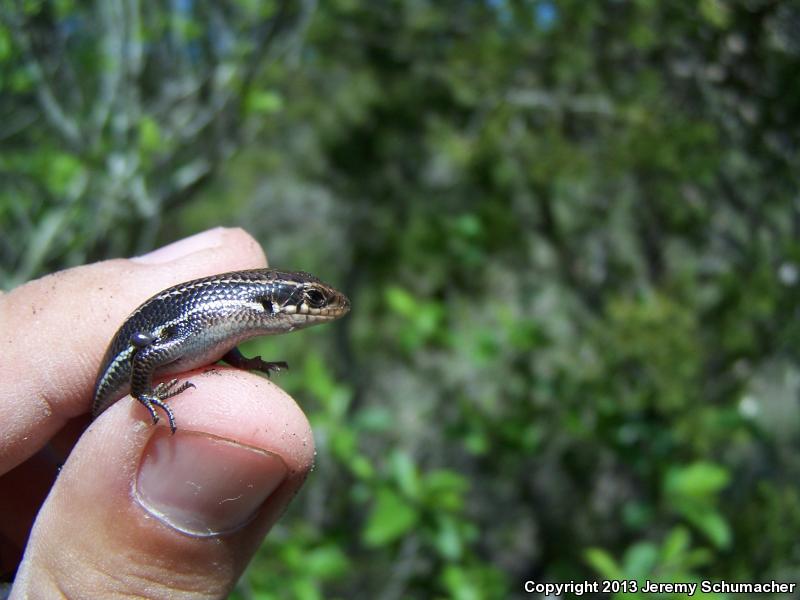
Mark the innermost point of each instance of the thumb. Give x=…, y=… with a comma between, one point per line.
x=138, y=512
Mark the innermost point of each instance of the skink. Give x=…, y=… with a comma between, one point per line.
x=200, y=322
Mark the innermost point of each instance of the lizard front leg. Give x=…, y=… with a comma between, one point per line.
x=154, y=352
x=235, y=358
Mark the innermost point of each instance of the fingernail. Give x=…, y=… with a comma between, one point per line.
x=203, y=485
x=200, y=241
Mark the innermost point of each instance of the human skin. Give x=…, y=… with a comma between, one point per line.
x=134, y=511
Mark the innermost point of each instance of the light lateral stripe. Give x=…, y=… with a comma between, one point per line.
x=120, y=361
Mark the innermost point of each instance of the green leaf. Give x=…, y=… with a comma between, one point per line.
x=264, y=102
x=405, y=472
x=605, y=564
x=448, y=539
x=699, y=557
x=676, y=545
x=5, y=43
x=361, y=467
x=400, y=301
x=149, y=135
x=698, y=480
x=305, y=589
x=374, y=418
x=640, y=560
x=32, y=7
x=716, y=12
x=477, y=442
x=319, y=380
x=256, y=8
x=327, y=562
x=391, y=518
x=445, y=490
x=63, y=169
x=711, y=524
x=467, y=225
x=344, y=443
x=64, y=8
x=459, y=583
x=422, y=319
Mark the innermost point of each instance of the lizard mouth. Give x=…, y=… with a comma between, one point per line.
x=336, y=306
x=317, y=314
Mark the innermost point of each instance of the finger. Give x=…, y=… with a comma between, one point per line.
x=54, y=331
x=139, y=512
x=23, y=490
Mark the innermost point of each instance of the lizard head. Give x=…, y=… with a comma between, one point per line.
x=304, y=300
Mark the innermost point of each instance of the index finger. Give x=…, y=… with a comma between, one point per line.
x=54, y=330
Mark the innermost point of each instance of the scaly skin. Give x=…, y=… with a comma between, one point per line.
x=200, y=322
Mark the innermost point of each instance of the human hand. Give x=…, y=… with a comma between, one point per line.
x=134, y=511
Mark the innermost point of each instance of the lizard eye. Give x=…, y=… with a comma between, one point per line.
x=315, y=298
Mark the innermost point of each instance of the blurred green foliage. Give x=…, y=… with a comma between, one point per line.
x=569, y=230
